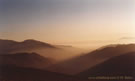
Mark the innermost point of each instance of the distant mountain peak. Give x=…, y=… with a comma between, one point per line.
x=31, y=40
x=29, y=44
x=116, y=45
x=5, y=40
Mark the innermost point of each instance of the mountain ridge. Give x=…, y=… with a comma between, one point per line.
x=91, y=59
x=122, y=65
x=7, y=46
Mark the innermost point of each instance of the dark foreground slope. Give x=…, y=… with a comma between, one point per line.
x=123, y=65
x=12, y=73
x=30, y=60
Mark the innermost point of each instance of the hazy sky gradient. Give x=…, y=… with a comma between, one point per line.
x=71, y=22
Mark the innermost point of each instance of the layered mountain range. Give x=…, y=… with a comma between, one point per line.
x=32, y=60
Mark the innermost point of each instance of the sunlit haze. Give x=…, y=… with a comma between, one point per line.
x=80, y=23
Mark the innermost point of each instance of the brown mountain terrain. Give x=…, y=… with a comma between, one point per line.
x=123, y=65
x=7, y=46
x=57, y=52
x=30, y=60
x=83, y=62
x=47, y=56
x=13, y=73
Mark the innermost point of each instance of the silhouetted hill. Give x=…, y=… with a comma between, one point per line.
x=12, y=73
x=86, y=61
x=123, y=65
x=114, y=50
x=35, y=44
x=7, y=46
x=56, y=52
x=31, y=60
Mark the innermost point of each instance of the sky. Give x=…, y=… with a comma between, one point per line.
x=83, y=23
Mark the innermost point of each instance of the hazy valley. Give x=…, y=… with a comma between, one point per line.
x=34, y=60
